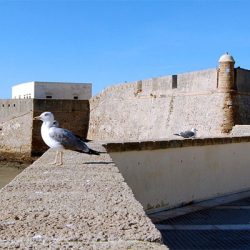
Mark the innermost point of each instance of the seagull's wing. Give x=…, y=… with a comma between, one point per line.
x=82, y=139
x=68, y=139
x=187, y=134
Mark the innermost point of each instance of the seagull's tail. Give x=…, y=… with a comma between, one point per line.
x=177, y=134
x=87, y=140
x=93, y=152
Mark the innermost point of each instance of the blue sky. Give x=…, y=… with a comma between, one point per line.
x=110, y=42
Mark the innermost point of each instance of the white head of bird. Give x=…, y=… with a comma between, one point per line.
x=46, y=117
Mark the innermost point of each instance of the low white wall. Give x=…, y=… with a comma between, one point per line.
x=57, y=90
x=170, y=177
x=23, y=91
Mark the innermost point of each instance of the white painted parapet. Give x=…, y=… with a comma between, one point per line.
x=167, y=174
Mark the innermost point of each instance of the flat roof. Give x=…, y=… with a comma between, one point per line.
x=43, y=82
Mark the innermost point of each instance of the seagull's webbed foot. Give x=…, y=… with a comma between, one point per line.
x=53, y=163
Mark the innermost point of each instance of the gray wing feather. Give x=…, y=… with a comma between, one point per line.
x=68, y=139
x=187, y=134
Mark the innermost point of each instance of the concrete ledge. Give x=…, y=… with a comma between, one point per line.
x=84, y=204
x=176, y=173
x=243, y=130
x=170, y=143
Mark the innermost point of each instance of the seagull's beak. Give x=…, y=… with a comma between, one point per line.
x=37, y=118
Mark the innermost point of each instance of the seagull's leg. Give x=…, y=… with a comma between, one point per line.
x=60, y=158
x=55, y=161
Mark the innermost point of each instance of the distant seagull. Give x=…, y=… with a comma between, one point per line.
x=59, y=138
x=188, y=134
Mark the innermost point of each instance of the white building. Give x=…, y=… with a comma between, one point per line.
x=52, y=90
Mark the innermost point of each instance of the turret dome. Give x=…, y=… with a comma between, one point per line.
x=226, y=58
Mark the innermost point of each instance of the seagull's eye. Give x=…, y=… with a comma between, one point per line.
x=46, y=114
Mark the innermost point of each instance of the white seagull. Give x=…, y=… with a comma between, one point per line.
x=188, y=134
x=60, y=138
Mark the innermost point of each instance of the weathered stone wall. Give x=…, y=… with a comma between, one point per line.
x=16, y=128
x=13, y=108
x=242, y=80
x=159, y=107
x=242, y=99
x=71, y=114
x=203, y=80
x=243, y=114
x=58, y=90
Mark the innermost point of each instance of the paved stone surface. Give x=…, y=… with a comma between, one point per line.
x=83, y=204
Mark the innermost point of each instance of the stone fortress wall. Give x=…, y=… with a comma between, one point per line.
x=157, y=108
x=152, y=108
x=242, y=99
x=211, y=100
x=16, y=128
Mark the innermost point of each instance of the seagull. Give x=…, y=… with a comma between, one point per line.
x=60, y=138
x=188, y=134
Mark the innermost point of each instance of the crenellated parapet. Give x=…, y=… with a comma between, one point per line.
x=157, y=87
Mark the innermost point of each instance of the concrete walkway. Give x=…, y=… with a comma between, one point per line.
x=83, y=204
x=221, y=223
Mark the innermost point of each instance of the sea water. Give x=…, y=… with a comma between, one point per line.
x=9, y=170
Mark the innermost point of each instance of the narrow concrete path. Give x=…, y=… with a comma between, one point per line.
x=83, y=204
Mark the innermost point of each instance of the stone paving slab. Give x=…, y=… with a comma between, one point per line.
x=83, y=204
